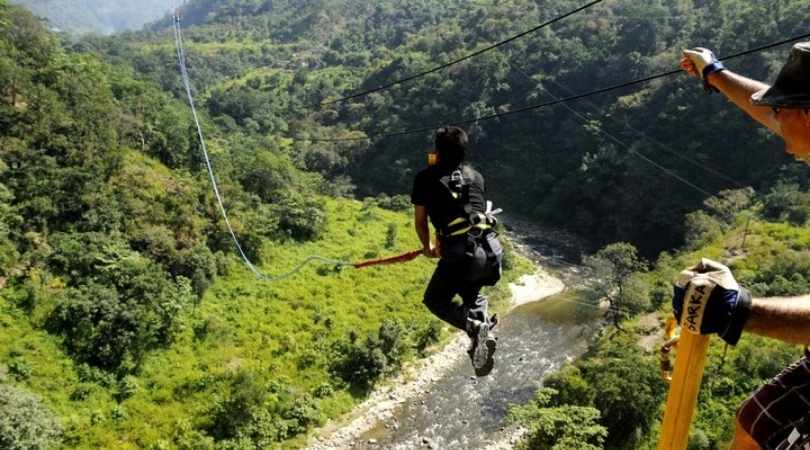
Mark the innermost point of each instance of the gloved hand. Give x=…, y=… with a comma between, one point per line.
x=708, y=300
x=701, y=62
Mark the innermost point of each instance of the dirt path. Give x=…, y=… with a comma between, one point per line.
x=417, y=377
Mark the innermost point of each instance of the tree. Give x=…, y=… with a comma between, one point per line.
x=25, y=424
x=119, y=304
x=557, y=426
x=613, y=267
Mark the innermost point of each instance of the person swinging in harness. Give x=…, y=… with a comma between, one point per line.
x=451, y=194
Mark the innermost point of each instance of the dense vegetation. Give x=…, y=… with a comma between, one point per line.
x=263, y=66
x=587, y=402
x=97, y=16
x=126, y=321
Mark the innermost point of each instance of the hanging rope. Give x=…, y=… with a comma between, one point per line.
x=181, y=57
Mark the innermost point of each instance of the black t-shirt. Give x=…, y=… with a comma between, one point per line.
x=442, y=208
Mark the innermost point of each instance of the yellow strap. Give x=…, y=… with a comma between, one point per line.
x=461, y=231
x=456, y=222
x=480, y=226
x=689, y=366
x=683, y=392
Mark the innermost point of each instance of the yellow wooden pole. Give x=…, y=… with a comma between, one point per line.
x=689, y=366
x=683, y=392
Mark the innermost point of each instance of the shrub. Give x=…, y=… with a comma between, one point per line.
x=428, y=335
x=112, y=326
x=255, y=415
x=19, y=369
x=786, y=201
x=362, y=364
x=553, y=426
x=701, y=229
x=391, y=236
x=25, y=424
x=395, y=203
x=301, y=218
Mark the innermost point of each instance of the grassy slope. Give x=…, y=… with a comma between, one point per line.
x=272, y=328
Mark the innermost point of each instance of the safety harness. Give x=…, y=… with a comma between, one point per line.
x=469, y=241
x=458, y=185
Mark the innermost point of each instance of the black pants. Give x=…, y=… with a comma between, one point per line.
x=444, y=285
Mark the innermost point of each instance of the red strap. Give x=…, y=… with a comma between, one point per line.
x=405, y=257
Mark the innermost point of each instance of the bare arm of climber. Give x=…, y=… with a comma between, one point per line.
x=420, y=223
x=786, y=319
x=702, y=63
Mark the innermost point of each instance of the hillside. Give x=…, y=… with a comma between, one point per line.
x=126, y=318
x=585, y=406
x=97, y=16
x=263, y=69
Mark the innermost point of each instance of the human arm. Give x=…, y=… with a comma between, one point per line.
x=420, y=223
x=737, y=88
x=709, y=298
x=786, y=319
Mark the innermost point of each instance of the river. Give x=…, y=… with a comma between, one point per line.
x=459, y=411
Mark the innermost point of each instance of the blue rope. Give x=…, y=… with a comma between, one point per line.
x=181, y=57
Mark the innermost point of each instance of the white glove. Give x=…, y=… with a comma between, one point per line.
x=701, y=62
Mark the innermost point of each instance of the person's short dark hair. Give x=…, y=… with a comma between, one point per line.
x=452, y=144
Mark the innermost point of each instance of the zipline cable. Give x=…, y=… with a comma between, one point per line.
x=181, y=56
x=369, y=135
x=621, y=143
x=609, y=135
x=462, y=59
x=660, y=144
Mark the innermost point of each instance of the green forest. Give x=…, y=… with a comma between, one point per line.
x=127, y=319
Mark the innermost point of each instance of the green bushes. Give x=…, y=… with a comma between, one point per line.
x=19, y=369
x=113, y=330
x=362, y=363
x=553, y=427
x=25, y=424
x=604, y=381
x=614, y=270
x=301, y=218
x=130, y=306
x=395, y=203
x=257, y=414
x=786, y=201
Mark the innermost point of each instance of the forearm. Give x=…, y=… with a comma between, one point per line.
x=738, y=89
x=786, y=319
x=423, y=231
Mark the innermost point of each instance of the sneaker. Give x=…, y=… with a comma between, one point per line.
x=483, y=347
x=489, y=364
